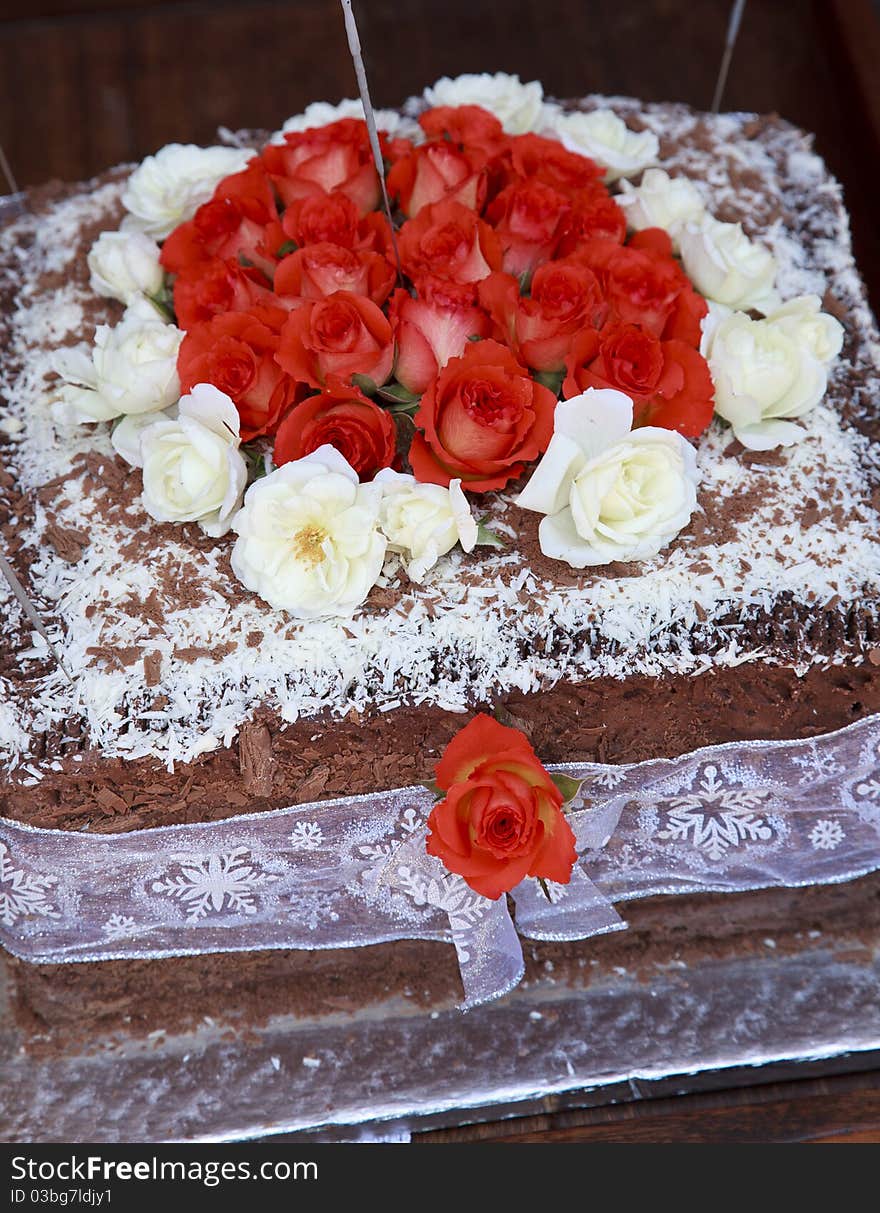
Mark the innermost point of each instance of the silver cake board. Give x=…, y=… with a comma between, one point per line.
x=396, y=1069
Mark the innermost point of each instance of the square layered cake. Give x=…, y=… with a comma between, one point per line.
x=164, y=688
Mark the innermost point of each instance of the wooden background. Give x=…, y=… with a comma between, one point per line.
x=89, y=83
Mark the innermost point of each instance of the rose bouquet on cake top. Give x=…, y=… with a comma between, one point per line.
x=514, y=315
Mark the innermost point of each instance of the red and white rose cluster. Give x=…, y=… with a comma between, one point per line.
x=523, y=280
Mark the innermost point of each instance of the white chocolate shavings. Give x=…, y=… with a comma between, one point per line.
x=478, y=625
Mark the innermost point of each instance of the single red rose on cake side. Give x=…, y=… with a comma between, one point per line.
x=235, y=351
x=344, y=334
x=344, y=418
x=483, y=420
x=501, y=818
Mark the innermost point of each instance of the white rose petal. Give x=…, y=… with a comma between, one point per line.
x=308, y=537
x=661, y=201
x=133, y=368
x=193, y=468
x=727, y=267
x=766, y=373
x=125, y=265
x=126, y=435
x=609, y=492
x=168, y=188
x=517, y=106
x=424, y=521
x=322, y=113
x=804, y=320
x=604, y=137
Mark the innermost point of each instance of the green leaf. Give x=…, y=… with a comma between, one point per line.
x=365, y=383
x=289, y=246
x=397, y=392
x=256, y=463
x=163, y=302
x=487, y=538
x=474, y=337
x=436, y=792
x=245, y=261
x=525, y=282
x=399, y=398
x=568, y=787
x=551, y=379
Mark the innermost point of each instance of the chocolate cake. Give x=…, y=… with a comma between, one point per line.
x=173, y=695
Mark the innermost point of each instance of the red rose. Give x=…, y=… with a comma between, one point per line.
x=534, y=158
x=640, y=287
x=334, y=219
x=319, y=270
x=240, y=221
x=344, y=418
x=216, y=286
x=565, y=298
x=594, y=215
x=344, y=335
x=528, y=218
x=483, y=419
x=324, y=159
x=432, y=328
x=447, y=240
x=501, y=818
x=465, y=126
x=436, y=171
x=668, y=381
x=236, y=352
x=684, y=321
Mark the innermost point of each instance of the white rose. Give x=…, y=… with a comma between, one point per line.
x=322, y=113
x=803, y=318
x=133, y=368
x=308, y=537
x=193, y=468
x=765, y=373
x=517, y=106
x=125, y=265
x=661, y=201
x=610, y=492
x=605, y=138
x=724, y=265
x=168, y=188
x=424, y=521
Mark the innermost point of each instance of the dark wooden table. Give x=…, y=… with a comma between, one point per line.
x=89, y=83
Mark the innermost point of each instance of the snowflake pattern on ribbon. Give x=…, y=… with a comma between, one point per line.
x=826, y=835
x=23, y=894
x=717, y=816
x=222, y=881
x=118, y=926
x=306, y=836
x=450, y=894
